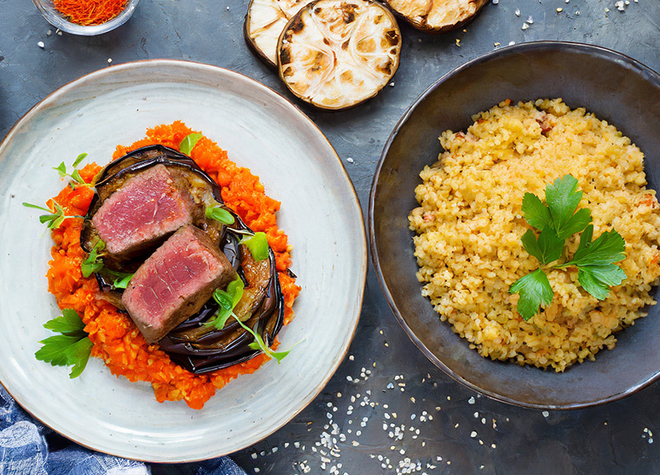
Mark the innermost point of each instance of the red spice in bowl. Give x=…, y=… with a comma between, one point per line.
x=90, y=12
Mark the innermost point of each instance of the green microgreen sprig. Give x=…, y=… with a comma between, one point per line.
x=227, y=300
x=55, y=218
x=75, y=173
x=557, y=220
x=93, y=263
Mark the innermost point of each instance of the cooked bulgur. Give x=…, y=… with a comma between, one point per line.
x=469, y=227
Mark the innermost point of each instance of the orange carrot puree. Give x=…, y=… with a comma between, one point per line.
x=115, y=337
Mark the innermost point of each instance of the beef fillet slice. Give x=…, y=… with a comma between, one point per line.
x=175, y=282
x=148, y=208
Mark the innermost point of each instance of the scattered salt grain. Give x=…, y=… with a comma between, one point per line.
x=41, y=45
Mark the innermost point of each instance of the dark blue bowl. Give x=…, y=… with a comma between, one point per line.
x=615, y=88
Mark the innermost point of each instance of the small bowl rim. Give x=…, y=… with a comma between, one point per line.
x=373, y=247
x=57, y=20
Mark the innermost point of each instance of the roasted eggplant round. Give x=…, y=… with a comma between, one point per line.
x=336, y=54
x=167, y=197
x=437, y=16
x=264, y=23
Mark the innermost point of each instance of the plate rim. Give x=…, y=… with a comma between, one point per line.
x=373, y=247
x=52, y=97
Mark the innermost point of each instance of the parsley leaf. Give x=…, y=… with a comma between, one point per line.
x=563, y=199
x=188, y=143
x=547, y=248
x=534, y=289
x=536, y=213
x=597, y=279
x=71, y=348
x=557, y=221
x=607, y=249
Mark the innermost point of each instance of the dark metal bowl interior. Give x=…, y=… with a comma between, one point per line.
x=612, y=86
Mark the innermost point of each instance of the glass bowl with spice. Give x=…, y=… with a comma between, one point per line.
x=86, y=17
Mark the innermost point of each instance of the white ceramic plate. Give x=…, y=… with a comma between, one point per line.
x=320, y=213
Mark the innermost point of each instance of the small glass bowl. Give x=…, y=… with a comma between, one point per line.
x=56, y=19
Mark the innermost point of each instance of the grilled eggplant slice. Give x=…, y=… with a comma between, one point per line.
x=264, y=23
x=437, y=16
x=198, y=347
x=335, y=54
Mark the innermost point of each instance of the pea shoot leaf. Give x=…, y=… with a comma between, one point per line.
x=56, y=217
x=227, y=300
x=79, y=159
x=258, y=245
x=71, y=348
x=94, y=262
x=75, y=173
x=121, y=282
x=220, y=214
x=188, y=143
x=534, y=289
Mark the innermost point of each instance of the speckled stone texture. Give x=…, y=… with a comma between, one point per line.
x=387, y=409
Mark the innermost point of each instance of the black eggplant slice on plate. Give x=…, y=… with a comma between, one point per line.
x=264, y=23
x=437, y=16
x=335, y=54
x=179, y=184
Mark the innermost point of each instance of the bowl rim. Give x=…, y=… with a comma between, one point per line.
x=57, y=20
x=373, y=247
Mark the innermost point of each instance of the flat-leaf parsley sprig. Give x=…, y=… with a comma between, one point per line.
x=557, y=220
x=71, y=348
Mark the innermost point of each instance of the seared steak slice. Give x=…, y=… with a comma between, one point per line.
x=144, y=211
x=175, y=282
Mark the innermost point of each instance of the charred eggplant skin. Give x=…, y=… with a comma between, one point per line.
x=202, y=355
x=420, y=22
x=149, y=156
x=215, y=349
